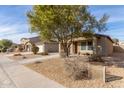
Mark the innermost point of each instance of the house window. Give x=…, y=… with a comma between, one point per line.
x=89, y=45
x=83, y=45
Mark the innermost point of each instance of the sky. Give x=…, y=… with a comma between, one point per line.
x=115, y=23
x=14, y=24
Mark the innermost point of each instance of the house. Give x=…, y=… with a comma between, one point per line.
x=103, y=44
x=51, y=46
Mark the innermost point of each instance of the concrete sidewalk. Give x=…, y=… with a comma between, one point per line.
x=23, y=77
x=5, y=81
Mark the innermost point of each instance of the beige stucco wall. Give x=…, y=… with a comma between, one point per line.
x=106, y=45
x=109, y=47
x=101, y=41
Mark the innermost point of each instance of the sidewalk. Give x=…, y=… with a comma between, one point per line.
x=23, y=77
x=5, y=81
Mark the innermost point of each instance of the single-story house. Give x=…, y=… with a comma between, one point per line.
x=51, y=46
x=103, y=44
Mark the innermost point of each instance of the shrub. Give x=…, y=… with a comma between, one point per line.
x=35, y=49
x=17, y=54
x=4, y=49
x=95, y=58
x=43, y=53
x=76, y=70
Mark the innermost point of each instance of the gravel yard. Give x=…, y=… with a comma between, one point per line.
x=54, y=69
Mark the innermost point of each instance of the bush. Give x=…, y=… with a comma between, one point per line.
x=43, y=53
x=17, y=54
x=35, y=49
x=4, y=49
x=95, y=58
x=76, y=70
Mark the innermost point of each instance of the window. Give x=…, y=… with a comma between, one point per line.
x=89, y=45
x=83, y=45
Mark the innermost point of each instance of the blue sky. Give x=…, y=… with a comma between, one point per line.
x=14, y=25
x=115, y=23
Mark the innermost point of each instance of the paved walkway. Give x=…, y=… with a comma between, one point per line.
x=13, y=74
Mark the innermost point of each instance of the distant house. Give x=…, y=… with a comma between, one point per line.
x=102, y=43
x=51, y=46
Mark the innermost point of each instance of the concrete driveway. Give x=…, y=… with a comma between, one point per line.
x=32, y=60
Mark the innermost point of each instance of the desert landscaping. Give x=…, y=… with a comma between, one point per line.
x=54, y=69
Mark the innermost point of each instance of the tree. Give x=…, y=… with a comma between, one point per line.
x=4, y=44
x=64, y=23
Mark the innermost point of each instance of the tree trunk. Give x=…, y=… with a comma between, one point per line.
x=65, y=52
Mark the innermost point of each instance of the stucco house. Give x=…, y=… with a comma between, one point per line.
x=51, y=46
x=103, y=44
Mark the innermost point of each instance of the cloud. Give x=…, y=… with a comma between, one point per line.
x=13, y=23
x=16, y=37
x=115, y=12
x=15, y=32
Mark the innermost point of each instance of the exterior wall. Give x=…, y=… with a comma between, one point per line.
x=101, y=41
x=109, y=47
x=72, y=49
x=106, y=45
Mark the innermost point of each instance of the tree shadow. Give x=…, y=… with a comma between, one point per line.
x=110, y=78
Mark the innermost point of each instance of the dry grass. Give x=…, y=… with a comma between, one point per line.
x=54, y=70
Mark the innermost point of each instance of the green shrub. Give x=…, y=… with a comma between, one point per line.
x=35, y=49
x=4, y=49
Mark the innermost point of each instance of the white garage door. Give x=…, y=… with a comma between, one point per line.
x=41, y=48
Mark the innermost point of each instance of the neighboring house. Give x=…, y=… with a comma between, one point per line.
x=121, y=42
x=102, y=43
x=51, y=46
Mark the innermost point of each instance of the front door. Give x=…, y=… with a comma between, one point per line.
x=75, y=44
